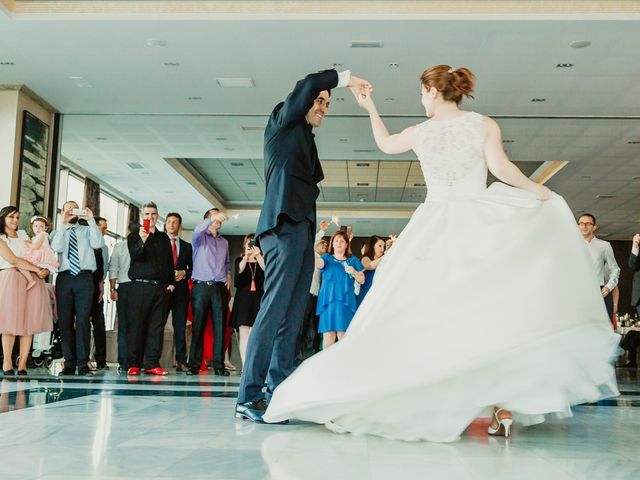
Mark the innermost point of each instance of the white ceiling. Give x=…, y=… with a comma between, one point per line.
x=138, y=110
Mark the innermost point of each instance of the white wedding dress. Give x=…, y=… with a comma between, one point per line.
x=488, y=297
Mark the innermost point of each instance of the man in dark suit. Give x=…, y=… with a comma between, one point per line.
x=97, y=309
x=286, y=231
x=179, y=303
x=631, y=340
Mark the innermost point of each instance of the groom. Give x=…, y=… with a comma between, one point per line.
x=286, y=231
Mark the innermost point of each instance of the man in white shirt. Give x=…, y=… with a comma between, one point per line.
x=119, y=283
x=605, y=266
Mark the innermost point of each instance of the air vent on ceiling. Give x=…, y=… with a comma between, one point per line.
x=419, y=184
x=508, y=141
x=250, y=183
x=538, y=100
x=364, y=150
x=7, y=64
x=633, y=142
x=135, y=165
x=366, y=44
x=564, y=65
x=221, y=139
x=193, y=211
x=237, y=82
x=171, y=64
x=362, y=184
x=237, y=164
x=252, y=128
x=363, y=164
x=605, y=196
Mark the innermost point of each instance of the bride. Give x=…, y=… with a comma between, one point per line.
x=502, y=308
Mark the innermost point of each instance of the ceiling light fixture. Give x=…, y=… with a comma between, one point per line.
x=194, y=98
x=362, y=184
x=580, y=44
x=508, y=141
x=564, y=65
x=102, y=139
x=337, y=65
x=389, y=99
x=80, y=82
x=538, y=100
x=338, y=99
x=343, y=140
x=364, y=150
x=250, y=183
x=237, y=164
x=393, y=65
x=171, y=64
x=236, y=82
x=135, y=165
x=633, y=142
x=366, y=44
x=7, y=64
x=363, y=164
x=605, y=196
x=419, y=184
x=221, y=139
x=155, y=42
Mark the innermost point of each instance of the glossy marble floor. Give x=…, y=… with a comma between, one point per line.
x=183, y=427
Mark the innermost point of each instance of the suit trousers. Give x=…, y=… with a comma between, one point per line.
x=608, y=303
x=122, y=310
x=99, y=330
x=271, y=351
x=74, y=296
x=148, y=306
x=204, y=299
x=179, y=305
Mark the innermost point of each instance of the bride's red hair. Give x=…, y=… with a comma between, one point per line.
x=452, y=83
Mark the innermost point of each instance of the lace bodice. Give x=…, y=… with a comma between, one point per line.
x=451, y=155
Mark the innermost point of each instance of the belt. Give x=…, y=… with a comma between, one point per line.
x=144, y=280
x=208, y=282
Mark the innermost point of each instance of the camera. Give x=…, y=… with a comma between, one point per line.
x=79, y=212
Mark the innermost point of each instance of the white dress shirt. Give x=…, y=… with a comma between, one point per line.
x=317, y=276
x=120, y=262
x=605, y=266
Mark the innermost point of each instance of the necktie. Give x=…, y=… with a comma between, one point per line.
x=174, y=251
x=72, y=254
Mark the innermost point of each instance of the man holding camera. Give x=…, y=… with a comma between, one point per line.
x=211, y=280
x=152, y=281
x=74, y=284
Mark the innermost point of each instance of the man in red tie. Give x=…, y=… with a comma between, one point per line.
x=179, y=303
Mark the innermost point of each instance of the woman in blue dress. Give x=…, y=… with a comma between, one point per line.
x=337, y=297
x=372, y=253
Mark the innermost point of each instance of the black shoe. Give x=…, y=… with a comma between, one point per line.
x=193, y=372
x=22, y=373
x=222, y=372
x=251, y=411
x=181, y=367
x=68, y=371
x=86, y=372
x=9, y=373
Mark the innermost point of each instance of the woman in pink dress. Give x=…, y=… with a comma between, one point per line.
x=24, y=312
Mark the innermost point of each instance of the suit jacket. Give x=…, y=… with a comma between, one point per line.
x=634, y=265
x=291, y=166
x=185, y=262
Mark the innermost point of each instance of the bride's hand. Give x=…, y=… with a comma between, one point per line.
x=543, y=193
x=363, y=97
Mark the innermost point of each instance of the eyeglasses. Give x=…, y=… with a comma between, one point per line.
x=586, y=224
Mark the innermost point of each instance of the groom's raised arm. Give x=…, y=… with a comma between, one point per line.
x=301, y=99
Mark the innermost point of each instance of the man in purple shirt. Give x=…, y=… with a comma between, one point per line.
x=211, y=279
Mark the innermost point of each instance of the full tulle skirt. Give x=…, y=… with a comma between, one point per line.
x=488, y=299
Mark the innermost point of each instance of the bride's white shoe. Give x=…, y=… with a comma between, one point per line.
x=504, y=425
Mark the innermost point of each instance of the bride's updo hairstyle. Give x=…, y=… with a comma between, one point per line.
x=452, y=83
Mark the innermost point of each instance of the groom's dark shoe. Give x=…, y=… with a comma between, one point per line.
x=252, y=410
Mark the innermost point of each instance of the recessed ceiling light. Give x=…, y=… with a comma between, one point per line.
x=580, y=44
x=171, y=64
x=155, y=42
x=237, y=164
x=393, y=65
x=362, y=184
x=564, y=65
x=508, y=141
x=419, y=184
x=605, y=196
x=337, y=65
x=538, y=100
x=366, y=44
x=80, y=82
x=194, y=98
x=389, y=99
x=7, y=64
x=343, y=140
x=363, y=164
x=236, y=82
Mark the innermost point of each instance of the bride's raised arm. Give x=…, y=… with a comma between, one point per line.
x=390, y=144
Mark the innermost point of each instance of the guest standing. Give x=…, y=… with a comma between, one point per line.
x=372, y=254
x=119, y=286
x=24, y=312
x=97, y=308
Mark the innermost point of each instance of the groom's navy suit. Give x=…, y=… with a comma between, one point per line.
x=286, y=230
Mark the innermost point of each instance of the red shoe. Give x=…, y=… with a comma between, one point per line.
x=156, y=371
x=133, y=371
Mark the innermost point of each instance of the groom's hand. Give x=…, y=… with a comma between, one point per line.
x=360, y=83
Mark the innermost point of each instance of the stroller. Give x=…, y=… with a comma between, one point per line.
x=46, y=345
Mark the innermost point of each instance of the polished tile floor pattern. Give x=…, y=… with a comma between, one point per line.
x=183, y=427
